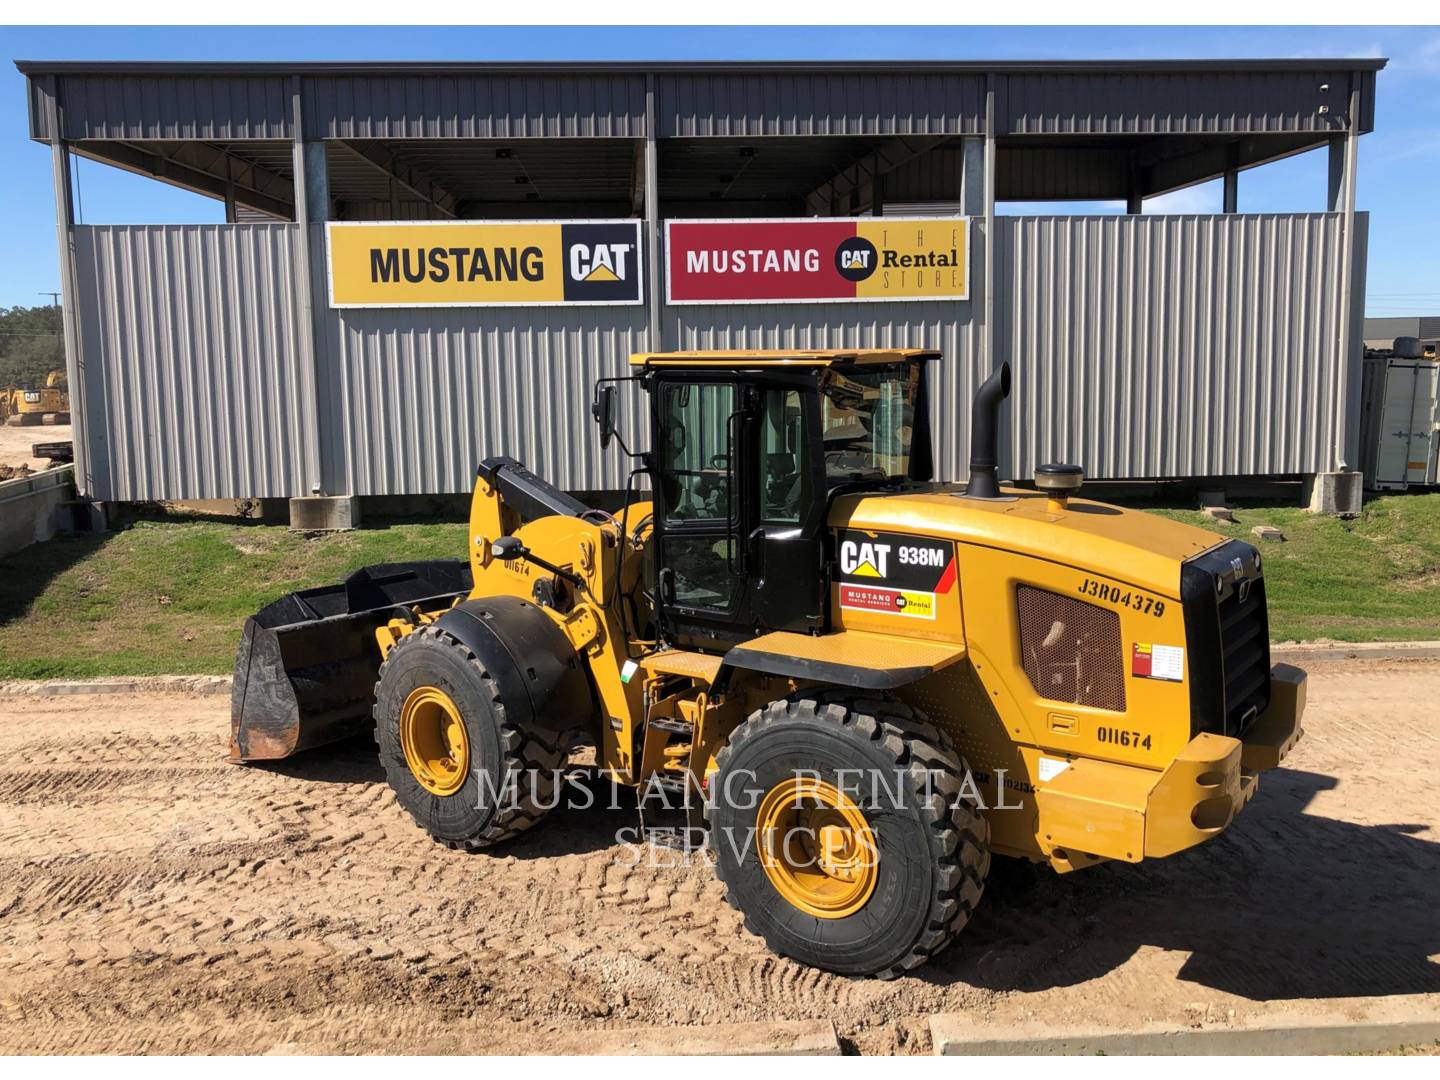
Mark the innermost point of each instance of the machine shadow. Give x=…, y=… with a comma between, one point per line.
x=590, y=813
x=1284, y=904
x=27, y=573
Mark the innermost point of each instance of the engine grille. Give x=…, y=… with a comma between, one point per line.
x=1227, y=631
x=1071, y=650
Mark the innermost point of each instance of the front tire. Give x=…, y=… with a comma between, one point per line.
x=469, y=775
x=874, y=862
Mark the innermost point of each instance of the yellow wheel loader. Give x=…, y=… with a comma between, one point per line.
x=855, y=682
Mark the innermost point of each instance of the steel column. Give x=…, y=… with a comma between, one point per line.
x=653, y=298
x=1347, y=426
x=69, y=306
x=307, y=186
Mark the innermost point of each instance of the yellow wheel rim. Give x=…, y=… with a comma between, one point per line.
x=816, y=848
x=434, y=740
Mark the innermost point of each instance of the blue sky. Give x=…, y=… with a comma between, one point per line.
x=1399, y=161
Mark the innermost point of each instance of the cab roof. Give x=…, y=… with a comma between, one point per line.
x=744, y=358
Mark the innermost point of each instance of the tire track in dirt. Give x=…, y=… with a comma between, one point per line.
x=153, y=898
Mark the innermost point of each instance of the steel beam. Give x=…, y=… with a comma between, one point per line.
x=406, y=176
x=179, y=172
x=839, y=191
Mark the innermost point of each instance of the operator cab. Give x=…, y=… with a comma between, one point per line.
x=747, y=450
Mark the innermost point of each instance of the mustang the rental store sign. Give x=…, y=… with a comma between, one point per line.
x=483, y=264
x=816, y=260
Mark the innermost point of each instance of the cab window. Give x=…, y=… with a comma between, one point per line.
x=784, y=480
x=695, y=463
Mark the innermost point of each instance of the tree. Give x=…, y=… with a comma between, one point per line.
x=32, y=344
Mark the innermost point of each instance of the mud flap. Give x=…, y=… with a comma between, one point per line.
x=305, y=670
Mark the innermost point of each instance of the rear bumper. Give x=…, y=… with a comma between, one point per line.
x=1100, y=810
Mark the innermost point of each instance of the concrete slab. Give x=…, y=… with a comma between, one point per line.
x=1338, y=494
x=1302, y=653
x=31, y=507
x=792, y=1038
x=324, y=513
x=1291, y=1028
x=121, y=684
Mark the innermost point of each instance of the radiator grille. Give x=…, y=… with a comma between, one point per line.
x=1071, y=649
x=1228, y=634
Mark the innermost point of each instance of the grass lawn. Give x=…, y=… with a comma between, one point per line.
x=168, y=595
x=1376, y=578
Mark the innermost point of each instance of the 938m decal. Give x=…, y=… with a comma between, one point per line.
x=894, y=574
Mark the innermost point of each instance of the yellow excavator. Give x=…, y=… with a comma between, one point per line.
x=853, y=681
x=21, y=406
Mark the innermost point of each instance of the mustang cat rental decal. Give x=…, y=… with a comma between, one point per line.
x=816, y=260
x=483, y=264
x=894, y=574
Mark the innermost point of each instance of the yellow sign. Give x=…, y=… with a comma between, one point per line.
x=915, y=258
x=483, y=264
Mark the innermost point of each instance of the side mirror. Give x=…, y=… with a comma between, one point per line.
x=603, y=410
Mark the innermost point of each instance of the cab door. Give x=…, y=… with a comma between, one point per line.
x=700, y=583
x=786, y=538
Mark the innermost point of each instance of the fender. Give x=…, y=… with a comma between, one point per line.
x=541, y=678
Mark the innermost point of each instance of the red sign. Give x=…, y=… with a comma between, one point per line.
x=800, y=260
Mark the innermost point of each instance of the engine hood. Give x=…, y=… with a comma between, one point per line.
x=1125, y=545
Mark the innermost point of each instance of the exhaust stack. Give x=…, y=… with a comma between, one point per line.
x=985, y=435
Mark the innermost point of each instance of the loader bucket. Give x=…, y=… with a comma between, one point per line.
x=305, y=670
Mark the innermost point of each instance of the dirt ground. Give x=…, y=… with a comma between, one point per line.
x=15, y=443
x=154, y=898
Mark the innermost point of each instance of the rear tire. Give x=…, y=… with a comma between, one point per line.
x=510, y=773
x=931, y=847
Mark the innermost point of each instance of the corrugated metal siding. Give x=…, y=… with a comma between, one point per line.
x=1172, y=346
x=191, y=356
x=1429, y=327
x=475, y=106
x=187, y=107
x=418, y=398
x=154, y=104
x=38, y=104
x=802, y=103
x=1153, y=102
x=1393, y=327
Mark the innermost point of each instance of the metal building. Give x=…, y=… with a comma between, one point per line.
x=1381, y=333
x=209, y=361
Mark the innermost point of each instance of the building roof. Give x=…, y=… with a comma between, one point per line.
x=414, y=67
x=743, y=138
x=746, y=358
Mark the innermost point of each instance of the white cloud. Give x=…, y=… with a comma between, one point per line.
x=1401, y=144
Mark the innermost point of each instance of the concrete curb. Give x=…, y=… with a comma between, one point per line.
x=802, y=1038
x=136, y=684
x=1365, y=650
x=956, y=1034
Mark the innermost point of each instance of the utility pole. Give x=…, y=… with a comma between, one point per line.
x=54, y=297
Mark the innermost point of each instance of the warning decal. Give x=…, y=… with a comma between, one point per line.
x=1164, y=662
x=894, y=574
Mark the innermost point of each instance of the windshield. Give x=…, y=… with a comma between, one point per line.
x=867, y=418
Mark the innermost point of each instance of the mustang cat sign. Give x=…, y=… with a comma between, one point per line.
x=816, y=260
x=483, y=264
